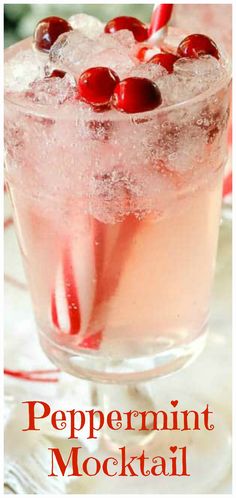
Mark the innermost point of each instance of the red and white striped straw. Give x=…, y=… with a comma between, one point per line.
x=159, y=21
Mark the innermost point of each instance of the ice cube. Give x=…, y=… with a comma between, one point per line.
x=87, y=25
x=170, y=89
x=202, y=67
x=70, y=50
x=74, y=52
x=114, y=51
x=190, y=78
x=120, y=40
x=124, y=37
x=51, y=90
x=149, y=70
x=118, y=61
x=22, y=70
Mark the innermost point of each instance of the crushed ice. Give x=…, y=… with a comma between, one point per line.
x=22, y=70
x=88, y=46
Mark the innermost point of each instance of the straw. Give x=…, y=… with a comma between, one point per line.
x=159, y=21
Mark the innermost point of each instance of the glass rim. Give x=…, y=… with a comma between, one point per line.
x=56, y=111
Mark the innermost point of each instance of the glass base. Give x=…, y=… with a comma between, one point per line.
x=99, y=368
x=208, y=453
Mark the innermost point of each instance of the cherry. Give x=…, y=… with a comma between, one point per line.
x=194, y=46
x=48, y=30
x=138, y=28
x=96, y=85
x=142, y=53
x=136, y=95
x=165, y=60
x=57, y=73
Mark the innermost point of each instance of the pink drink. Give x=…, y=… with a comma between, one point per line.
x=117, y=214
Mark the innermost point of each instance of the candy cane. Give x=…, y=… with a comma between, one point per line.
x=74, y=289
x=65, y=305
x=160, y=18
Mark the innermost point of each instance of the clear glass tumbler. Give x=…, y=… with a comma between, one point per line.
x=117, y=218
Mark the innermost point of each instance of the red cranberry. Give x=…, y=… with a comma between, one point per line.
x=141, y=54
x=196, y=45
x=96, y=85
x=165, y=60
x=57, y=73
x=136, y=95
x=138, y=28
x=48, y=30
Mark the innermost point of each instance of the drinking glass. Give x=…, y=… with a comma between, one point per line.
x=117, y=219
